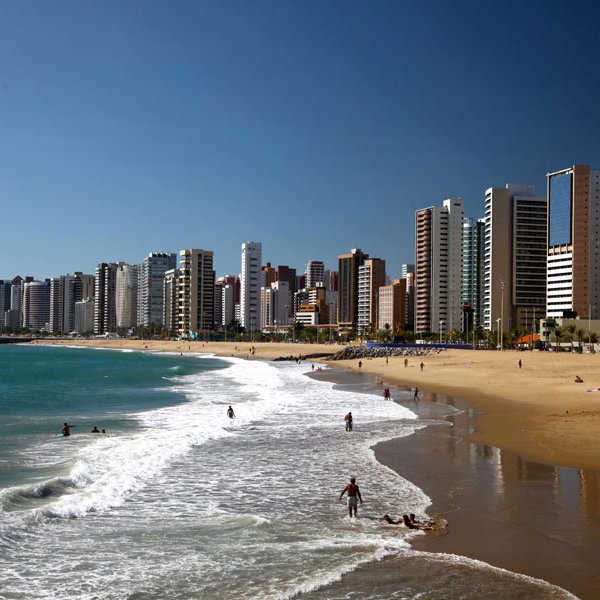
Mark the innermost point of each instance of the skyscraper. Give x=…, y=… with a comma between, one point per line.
x=105, y=313
x=36, y=305
x=152, y=274
x=438, y=277
x=515, y=257
x=371, y=277
x=126, y=296
x=250, y=284
x=573, y=263
x=196, y=292
x=348, y=265
x=315, y=273
x=473, y=251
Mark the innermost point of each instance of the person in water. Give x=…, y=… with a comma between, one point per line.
x=391, y=521
x=94, y=429
x=411, y=525
x=348, y=419
x=230, y=413
x=353, y=497
x=386, y=393
x=66, y=430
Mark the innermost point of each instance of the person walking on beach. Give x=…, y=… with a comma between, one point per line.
x=416, y=396
x=406, y=362
x=230, y=413
x=359, y=364
x=348, y=419
x=386, y=393
x=422, y=365
x=520, y=363
x=353, y=497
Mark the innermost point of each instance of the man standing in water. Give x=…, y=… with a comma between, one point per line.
x=353, y=497
x=230, y=413
x=348, y=419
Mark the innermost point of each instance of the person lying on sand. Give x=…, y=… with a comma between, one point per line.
x=578, y=379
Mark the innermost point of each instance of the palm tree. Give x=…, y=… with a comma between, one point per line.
x=558, y=333
x=580, y=338
x=571, y=329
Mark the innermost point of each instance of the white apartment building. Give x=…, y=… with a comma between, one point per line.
x=371, y=276
x=250, y=284
x=36, y=305
x=438, y=267
x=84, y=317
x=573, y=252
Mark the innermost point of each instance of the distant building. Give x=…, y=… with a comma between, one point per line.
x=514, y=287
x=408, y=273
x=196, y=293
x=151, y=288
x=126, y=295
x=438, y=267
x=473, y=250
x=105, y=312
x=170, y=318
x=225, y=300
x=371, y=277
x=4, y=300
x=36, y=305
x=348, y=265
x=315, y=274
x=274, y=304
x=84, y=317
x=573, y=252
x=250, y=284
x=392, y=306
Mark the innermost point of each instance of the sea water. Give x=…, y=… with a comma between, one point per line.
x=176, y=500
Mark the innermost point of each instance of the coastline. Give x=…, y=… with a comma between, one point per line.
x=495, y=501
x=536, y=411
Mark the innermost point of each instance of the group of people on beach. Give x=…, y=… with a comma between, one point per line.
x=353, y=498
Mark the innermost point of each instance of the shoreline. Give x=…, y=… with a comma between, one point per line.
x=536, y=411
x=450, y=464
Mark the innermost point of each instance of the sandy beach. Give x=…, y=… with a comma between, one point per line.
x=536, y=411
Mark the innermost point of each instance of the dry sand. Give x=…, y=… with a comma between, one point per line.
x=537, y=411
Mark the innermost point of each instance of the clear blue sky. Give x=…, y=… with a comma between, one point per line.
x=312, y=126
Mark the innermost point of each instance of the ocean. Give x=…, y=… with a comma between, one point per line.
x=178, y=501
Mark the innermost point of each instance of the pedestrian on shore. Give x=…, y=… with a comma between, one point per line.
x=416, y=395
x=359, y=364
x=520, y=363
x=386, y=361
x=353, y=497
x=386, y=393
x=422, y=365
x=406, y=362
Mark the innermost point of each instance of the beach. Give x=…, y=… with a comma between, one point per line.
x=515, y=473
x=536, y=411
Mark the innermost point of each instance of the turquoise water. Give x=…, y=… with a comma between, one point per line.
x=43, y=387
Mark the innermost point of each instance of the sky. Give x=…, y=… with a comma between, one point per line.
x=311, y=126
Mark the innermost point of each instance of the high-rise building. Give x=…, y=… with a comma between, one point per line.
x=170, y=294
x=287, y=274
x=515, y=257
x=36, y=305
x=392, y=306
x=408, y=273
x=65, y=292
x=196, y=294
x=348, y=265
x=126, y=295
x=315, y=274
x=4, y=300
x=250, y=284
x=105, y=313
x=473, y=270
x=371, y=276
x=84, y=316
x=227, y=293
x=274, y=304
x=573, y=254
x=438, y=267
x=151, y=289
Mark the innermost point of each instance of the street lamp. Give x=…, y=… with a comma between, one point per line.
x=502, y=314
x=441, y=325
x=499, y=322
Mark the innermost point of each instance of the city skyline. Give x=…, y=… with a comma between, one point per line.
x=144, y=127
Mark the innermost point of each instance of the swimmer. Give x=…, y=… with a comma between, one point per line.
x=94, y=429
x=66, y=430
x=230, y=413
x=391, y=521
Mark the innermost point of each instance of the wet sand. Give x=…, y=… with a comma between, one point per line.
x=529, y=518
